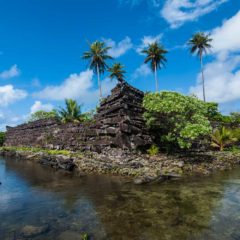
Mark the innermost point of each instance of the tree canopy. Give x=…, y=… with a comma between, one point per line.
x=117, y=71
x=42, y=115
x=178, y=119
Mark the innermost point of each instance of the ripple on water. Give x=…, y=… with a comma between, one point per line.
x=106, y=208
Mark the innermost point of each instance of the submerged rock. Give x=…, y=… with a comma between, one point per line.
x=30, y=231
x=143, y=180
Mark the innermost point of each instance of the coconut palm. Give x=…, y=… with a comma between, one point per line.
x=156, y=57
x=117, y=71
x=72, y=113
x=222, y=137
x=200, y=43
x=97, y=56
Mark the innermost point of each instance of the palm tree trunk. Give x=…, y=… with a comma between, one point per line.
x=99, y=82
x=203, y=80
x=156, y=78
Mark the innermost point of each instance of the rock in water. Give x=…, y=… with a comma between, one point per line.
x=31, y=231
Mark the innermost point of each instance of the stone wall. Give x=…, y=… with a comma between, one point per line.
x=118, y=123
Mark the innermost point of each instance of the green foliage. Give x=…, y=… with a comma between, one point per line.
x=2, y=138
x=84, y=236
x=222, y=138
x=72, y=113
x=177, y=119
x=200, y=43
x=117, y=71
x=235, y=118
x=155, y=55
x=236, y=133
x=37, y=150
x=88, y=116
x=42, y=115
x=213, y=113
x=234, y=149
x=153, y=150
x=97, y=56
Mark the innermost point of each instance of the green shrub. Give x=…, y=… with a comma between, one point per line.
x=2, y=138
x=153, y=150
x=234, y=149
x=222, y=138
x=73, y=113
x=176, y=119
x=42, y=115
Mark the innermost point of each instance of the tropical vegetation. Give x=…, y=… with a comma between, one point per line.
x=97, y=57
x=2, y=138
x=199, y=44
x=155, y=56
x=177, y=120
x=222, y=138
x=72, y=112
x=117, y=71
x=41, y=114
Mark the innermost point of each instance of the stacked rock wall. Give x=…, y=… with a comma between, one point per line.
x=118, y=123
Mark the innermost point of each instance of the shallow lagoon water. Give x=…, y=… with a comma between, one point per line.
x=109, y=208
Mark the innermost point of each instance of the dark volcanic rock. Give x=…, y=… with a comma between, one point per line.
x=117, y=124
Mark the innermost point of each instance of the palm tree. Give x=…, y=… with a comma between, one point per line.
x=222, y=137
x=200, y=43
x=156, y=57
x=72, y=113
x=117, y=71
x=97, y=56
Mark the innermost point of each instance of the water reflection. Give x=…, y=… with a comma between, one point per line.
x=108, y=208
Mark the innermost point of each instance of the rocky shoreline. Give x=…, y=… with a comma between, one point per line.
x=141, y=168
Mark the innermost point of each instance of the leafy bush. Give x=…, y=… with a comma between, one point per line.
x=2, y=138
x=153, y=150
x=222, y=138
x=42, y=115
x=235, y=117
x=176, y=119
x=213, y=113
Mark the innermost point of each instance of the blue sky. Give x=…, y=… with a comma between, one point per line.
x=42, y=42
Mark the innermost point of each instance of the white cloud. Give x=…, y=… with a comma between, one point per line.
x=146, y=40
x=9, y=94
x=9, y=118
x=37, y=106
x=120, y=48
x=76, y=86
x=177, y=12
x=10, y=73
x=223, y=73
x=227, y=37
x=222, y=80
x=143, y=71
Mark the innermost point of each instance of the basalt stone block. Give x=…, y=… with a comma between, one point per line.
x=117, y=124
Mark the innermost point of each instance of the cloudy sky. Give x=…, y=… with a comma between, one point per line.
x=42, y=42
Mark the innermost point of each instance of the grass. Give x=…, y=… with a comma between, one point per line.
x=38, y=150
